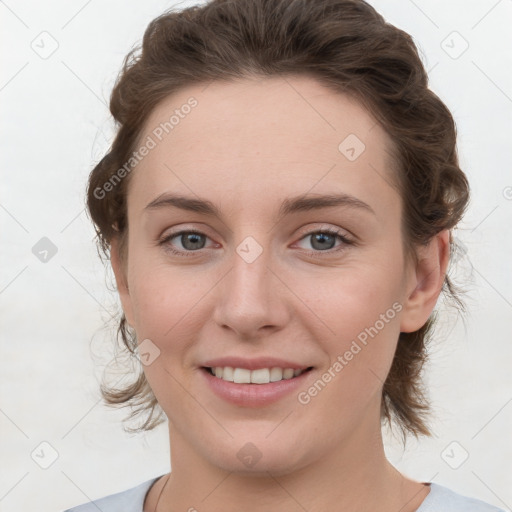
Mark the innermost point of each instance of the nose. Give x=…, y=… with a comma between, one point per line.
x=252, y=298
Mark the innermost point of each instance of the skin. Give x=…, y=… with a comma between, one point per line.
x=247, y=146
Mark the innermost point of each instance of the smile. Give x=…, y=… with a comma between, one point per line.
x=254, y=388
x=259, y=376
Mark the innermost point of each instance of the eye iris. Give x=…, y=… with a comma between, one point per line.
x=193, y=238
x=322, y=237
x=192, y=241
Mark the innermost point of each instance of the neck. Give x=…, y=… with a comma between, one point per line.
x=354, y=476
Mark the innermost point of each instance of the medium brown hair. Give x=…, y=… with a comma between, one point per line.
x=347, y=46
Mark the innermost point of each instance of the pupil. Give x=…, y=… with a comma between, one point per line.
x=192, y=238
x=322, y=237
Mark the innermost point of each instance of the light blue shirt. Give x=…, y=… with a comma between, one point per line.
x=439, y=499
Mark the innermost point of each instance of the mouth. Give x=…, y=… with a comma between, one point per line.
x=258, y=376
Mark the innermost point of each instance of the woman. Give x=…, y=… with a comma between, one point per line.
x=277, y=207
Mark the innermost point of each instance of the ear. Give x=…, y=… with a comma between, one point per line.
x=425, y=282
x=119, y=268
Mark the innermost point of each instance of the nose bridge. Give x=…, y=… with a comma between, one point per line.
x=251, y=280
x=251, y=295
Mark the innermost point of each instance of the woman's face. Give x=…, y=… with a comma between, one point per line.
x=260, y=281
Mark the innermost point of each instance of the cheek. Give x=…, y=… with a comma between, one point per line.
x=360, y=313
x=353, y=298
x=158, y=293
x=167, y=305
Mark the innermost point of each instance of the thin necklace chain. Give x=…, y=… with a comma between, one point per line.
x=161, y=492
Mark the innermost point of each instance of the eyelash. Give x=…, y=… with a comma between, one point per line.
x=327, y=231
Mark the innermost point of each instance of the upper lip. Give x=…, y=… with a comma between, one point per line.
x=253, y=364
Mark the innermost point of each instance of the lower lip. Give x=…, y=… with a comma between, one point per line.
x=253, y=395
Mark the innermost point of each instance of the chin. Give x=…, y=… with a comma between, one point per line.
x=260, y=456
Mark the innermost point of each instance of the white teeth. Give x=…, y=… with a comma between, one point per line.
x=242, y=376
x=276, y=374
x=288, y=373
x=259, y=376
x=227, y=373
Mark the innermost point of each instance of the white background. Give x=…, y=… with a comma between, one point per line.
x=56, y=126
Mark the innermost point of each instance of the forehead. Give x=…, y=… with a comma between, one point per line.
x=289, y=133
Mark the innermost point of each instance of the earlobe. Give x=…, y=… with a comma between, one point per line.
x=426, y=282
x=120, y=274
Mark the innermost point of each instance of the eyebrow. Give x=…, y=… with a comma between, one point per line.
x=288, y=206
